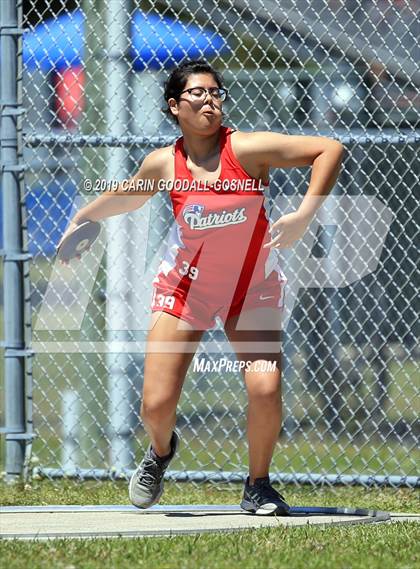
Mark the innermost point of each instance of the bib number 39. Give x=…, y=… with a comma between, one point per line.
x=187, y=269
x=163, y=300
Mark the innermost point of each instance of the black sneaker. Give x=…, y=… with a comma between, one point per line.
x=262, y=499
x=146, y=484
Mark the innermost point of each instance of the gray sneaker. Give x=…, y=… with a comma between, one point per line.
x=146, y=484
x=262, y=499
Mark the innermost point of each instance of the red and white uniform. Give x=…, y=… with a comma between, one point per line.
x=215, y=264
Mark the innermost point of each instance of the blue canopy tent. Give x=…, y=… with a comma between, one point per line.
x=157, y=42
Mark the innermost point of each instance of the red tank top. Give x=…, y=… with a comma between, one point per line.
x=218, y=231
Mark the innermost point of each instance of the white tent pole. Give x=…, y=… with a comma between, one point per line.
x=118, y=312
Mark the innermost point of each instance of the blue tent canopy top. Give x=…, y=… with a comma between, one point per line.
x=157, y=42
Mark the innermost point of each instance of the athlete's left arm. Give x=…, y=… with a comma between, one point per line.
x=275, y=150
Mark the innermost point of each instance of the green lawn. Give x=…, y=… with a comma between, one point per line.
x=209, y=451
x=376, y=546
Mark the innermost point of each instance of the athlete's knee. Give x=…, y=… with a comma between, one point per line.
x=264, y=387
x=158, y=408
x=265, y=394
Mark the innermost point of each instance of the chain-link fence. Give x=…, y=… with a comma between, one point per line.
x=90, y=80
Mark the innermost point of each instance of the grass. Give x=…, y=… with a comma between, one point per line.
x=91, y=492
x=381, y=546
x=211, y=449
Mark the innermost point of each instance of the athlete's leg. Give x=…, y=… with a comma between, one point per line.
x=263, y=386
x=164, y=374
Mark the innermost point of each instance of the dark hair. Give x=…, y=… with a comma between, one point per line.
x=179, y=77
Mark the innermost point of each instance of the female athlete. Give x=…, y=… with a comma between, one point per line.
x=220, y=261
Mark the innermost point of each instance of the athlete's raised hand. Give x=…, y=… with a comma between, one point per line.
x=288, y=229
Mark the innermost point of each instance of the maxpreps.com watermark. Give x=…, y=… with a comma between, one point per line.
x=178, y=185
x=225, y=365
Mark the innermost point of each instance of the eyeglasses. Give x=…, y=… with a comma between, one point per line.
x=199, y=93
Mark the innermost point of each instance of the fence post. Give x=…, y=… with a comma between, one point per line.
x=118, y=309
x=70, y=413
x=13, y=255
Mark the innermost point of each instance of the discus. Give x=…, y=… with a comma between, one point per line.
x=79, y=240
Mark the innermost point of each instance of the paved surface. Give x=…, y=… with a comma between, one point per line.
x=49, y=522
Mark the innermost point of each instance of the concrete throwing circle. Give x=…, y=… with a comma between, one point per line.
x=83, y=522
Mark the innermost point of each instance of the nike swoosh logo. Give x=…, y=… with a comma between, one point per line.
x=265, y=297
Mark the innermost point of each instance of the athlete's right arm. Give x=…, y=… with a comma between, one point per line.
x=125, y=197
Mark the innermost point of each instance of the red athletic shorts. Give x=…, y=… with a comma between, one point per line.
x=200, y=310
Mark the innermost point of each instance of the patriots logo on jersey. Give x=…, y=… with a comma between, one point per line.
x=192, y=216
x=192, y=210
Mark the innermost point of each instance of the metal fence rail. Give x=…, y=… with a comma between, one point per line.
x=90, y=85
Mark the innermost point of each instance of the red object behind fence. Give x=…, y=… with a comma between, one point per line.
x=69, y=95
